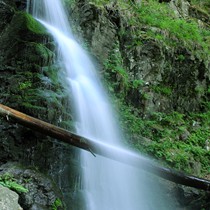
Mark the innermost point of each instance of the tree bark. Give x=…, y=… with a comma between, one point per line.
x=103, y=149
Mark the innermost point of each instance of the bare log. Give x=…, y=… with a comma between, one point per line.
x=103, y=149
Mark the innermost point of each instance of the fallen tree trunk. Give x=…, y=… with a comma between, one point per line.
x=103, y=149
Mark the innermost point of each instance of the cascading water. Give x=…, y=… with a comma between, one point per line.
x=108, y=185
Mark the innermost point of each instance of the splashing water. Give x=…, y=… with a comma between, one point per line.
x=108, y=185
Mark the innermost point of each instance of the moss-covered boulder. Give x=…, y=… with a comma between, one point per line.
x=21, y=42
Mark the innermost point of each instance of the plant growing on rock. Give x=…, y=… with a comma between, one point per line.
x=8, y=181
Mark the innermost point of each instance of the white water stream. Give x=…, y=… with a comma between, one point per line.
x=108, y=185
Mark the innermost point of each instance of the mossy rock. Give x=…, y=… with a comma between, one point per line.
x=20, y=36
x=35, y=53
x=24, y=24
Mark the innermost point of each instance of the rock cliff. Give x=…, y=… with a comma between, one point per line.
x=154, y=58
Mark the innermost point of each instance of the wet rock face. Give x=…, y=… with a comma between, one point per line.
x=98, y=28
x=189, y=198
x=174, y=77
x=157, y=67
x=6, y=11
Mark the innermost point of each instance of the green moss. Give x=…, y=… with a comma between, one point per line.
x=27, y=27
x=21, y=44
x=24, y=21
x=36, y=53
x=32, y=24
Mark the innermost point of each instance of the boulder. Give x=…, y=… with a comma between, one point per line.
x=9, y=199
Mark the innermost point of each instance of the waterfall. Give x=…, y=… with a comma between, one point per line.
x=106, y=184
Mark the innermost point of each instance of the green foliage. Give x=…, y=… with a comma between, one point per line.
x=129, y=118
x=137, y=83
x=115, y=71
x=118, y=79
x=181, y=57
x=172, y=28
x=164, y=25
x=8, y=181
x=25, y=85
x=200, y=89
x=163, y=133
x=58, y=203
x=162, y=89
